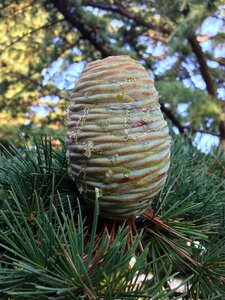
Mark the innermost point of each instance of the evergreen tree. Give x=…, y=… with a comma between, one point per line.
x=52, y=247
x=40, y=40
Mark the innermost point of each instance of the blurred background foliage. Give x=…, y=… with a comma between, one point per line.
x=45, y=44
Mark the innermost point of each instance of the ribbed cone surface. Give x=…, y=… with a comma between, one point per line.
x=117, y=138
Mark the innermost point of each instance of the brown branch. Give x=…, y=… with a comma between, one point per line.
x=203, y=67
x=182, y=128
x=170, y=115
x=76, y=19
x=120, y=9
x=219, y=60
x=205, y=72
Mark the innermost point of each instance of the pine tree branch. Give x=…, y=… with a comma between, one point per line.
x=172, y=118
x=182, y=128
x=205, y=72
x=219, y=60
x=203, y=67
x=75, y=18
x=123, y=11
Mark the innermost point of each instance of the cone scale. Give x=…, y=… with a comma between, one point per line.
x=117, y=138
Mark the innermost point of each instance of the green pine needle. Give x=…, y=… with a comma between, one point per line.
x=53, y=248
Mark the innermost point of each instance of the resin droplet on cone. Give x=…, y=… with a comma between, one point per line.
x=117, y=138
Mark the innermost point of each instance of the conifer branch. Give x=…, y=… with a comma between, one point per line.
x=205, y=72
x=219, y=60
x=51, y=247
x=119, y=8
x=171, y=116
x=88, y=33
x=203, y=67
